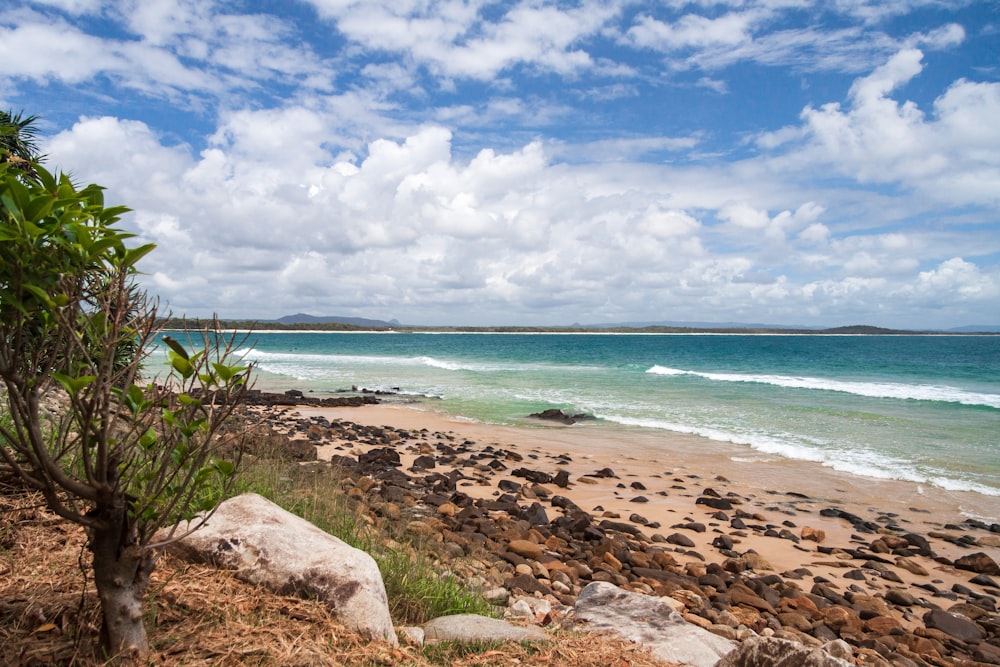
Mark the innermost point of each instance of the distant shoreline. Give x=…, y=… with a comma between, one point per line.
x=271, y=327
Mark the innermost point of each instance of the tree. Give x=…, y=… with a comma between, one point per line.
x=118, y=455
x=18, y=143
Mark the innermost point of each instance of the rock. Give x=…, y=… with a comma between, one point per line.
x=526, y=549
x=680, y=540
x=412, y=635
x=881, y=625
x=748, y=561
x=912, y=566
x=555, y=414
x=475, y=628
x=715, y=503
x=380, y=457
x=900, y=597
x=813, y=534
x=979, y=563
x=774, y=652
x=650, y=622
x=268, y=546
x=954, y=625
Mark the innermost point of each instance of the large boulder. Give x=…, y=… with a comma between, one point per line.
x=774, y=652
x=648, y=621
x=273, y=548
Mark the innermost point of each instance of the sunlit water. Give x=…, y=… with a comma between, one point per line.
x=917, y=408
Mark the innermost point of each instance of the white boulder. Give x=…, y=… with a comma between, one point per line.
x=649, y=621
x=269, y=546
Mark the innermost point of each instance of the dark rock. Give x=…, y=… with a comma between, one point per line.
x=680, y=539
x=381, y=456
x=900, y=597
x=424, y=463
x=508, y=486
x=722, y=542
x=535, y=515
x=919, y=544
x=979, y=563
x=715, y=503
x=555, y=414
x=561, y=479
x=528, y=584
x=955, y=626
x=535, y=476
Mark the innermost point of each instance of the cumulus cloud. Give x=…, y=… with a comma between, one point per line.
x=421, y=166
x=952, y=156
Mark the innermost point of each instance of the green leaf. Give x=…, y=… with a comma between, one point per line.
x=133, y=255
x=226, y=373
x=73, y=385
x=176, y=347
x=41, y=295
x=226, y=468
x=148, y=439
x=181, y=365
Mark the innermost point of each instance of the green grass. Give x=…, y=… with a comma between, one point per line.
x=417, y=584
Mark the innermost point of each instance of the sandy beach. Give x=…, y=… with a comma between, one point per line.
x=660, y=478
x=888, y=555
x=655, y=458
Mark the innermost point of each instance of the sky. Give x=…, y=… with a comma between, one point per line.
x=535, y=162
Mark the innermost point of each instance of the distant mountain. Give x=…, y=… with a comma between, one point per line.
x=977, y=328
x=303, y=318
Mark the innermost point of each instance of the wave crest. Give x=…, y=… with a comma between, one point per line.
x=915, y=392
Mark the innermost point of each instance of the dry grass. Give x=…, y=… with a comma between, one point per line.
x=197, y=615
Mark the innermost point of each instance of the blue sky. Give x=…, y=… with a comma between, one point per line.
x=816, y=162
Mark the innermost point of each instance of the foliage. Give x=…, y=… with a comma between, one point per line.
x=110, y=451
x=417, y=586
x=18, y=143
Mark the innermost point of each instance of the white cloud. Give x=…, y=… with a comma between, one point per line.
x=405, y=195
x=453, y=39
x=693, y=30
x=953, y=156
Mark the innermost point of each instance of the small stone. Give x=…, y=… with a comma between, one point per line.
x=812, y=534
x=525, y=549
x=900, y=597
x=912, y=566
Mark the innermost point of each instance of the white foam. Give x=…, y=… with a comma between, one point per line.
x=919, y=392
x=862, y=463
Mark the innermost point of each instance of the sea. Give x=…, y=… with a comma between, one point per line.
x=922, y=409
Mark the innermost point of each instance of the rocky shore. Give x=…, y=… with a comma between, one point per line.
x=533, y=526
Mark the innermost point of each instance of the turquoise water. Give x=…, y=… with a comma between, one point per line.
x=923, y=409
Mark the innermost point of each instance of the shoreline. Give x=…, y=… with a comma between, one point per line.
x=778, y=492
x=781, y=548
x=751, y=469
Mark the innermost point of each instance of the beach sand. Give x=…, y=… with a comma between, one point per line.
x=660, y=477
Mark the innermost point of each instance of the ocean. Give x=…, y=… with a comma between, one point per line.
x=923, y=409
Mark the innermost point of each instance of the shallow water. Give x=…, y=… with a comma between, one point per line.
x=924, y=409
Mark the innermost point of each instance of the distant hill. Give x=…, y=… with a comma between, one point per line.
x=303, y=318
x=977, y=328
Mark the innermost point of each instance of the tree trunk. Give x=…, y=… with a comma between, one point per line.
x=121, y=574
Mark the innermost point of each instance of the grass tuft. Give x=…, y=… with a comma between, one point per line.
x=417, y=584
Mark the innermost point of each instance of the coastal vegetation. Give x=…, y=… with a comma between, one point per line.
x=107, y=449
